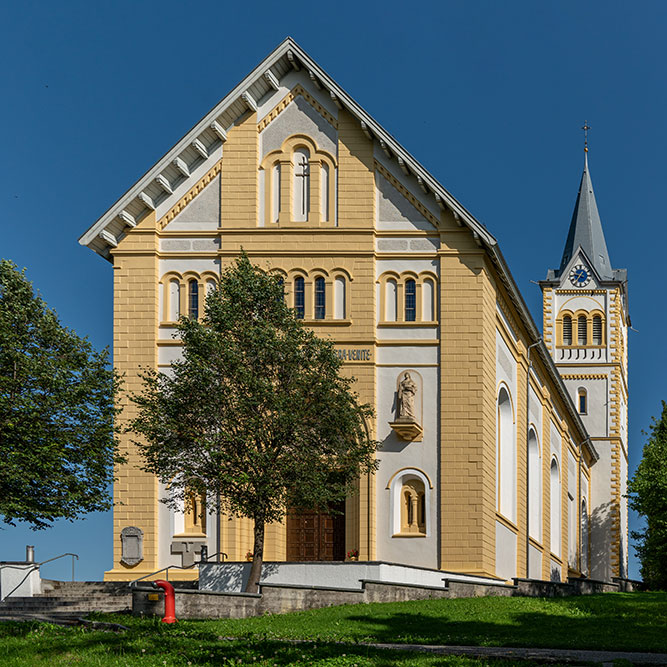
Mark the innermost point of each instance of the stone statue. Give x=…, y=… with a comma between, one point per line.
x=407, y=390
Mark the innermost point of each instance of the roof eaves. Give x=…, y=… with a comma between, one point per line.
x=536, y=338
x=197, y=129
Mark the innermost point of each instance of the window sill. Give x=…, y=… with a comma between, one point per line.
x=430, y=323
x=409, y=535
x=535, y=543
x=508, y=523
x=326, y=323
x=197, y=535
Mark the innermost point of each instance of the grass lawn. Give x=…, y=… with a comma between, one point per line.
x=615, y=621
x=610, y=621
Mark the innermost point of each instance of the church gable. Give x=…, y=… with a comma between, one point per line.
x=395, y=211
x=579, y=273
x=201, y=213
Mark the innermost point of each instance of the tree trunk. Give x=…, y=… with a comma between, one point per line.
x=257, y=557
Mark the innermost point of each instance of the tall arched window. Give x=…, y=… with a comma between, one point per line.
x=582, y=330
x=301, y=194
x=584, y=536
x=193, y=299
x=300, y=297
x=339, y=298
x=410, y=300
x=174, y=300
x=320, y=298
x=571, y=530
x=555, y=500
x=567, y=330
x=597, y=330
x=390, y=301
x=534, y=486
x=506, y=457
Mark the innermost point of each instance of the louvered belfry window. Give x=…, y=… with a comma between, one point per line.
x=582, y=327
x=567, y=330
x=597, y=330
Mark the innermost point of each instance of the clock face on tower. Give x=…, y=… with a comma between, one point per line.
x=579, y=276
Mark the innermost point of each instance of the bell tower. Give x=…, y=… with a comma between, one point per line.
x=585, y=311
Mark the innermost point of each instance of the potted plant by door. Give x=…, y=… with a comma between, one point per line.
x=353, y=554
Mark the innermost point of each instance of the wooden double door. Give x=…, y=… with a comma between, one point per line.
x=316, y=535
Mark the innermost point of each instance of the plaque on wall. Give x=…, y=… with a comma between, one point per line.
x=132, y=541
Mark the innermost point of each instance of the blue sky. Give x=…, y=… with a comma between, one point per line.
x=489, y=96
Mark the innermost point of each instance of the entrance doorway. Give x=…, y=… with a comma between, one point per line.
x=315, y=535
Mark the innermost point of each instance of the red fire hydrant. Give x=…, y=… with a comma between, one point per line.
x=169, y=600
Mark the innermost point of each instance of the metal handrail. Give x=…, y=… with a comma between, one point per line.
x=36, y=566
x=219, y=553
x=164, y=569
x=133, y=583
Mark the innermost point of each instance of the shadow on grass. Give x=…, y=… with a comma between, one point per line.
x=627, y=622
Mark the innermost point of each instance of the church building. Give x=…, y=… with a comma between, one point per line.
x=503, y=452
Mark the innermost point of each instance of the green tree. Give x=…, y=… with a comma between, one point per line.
x=57, y=439
x=256, y=413
x=648, y=496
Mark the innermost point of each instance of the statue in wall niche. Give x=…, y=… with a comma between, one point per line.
x=407, y=390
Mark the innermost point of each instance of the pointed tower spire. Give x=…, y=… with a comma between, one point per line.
x=586, y=229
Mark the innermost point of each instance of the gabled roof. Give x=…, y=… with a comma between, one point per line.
x=162, y=184
x=198, y=151
x=586, y=230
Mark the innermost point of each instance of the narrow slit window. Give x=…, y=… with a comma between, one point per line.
x=582, y=329
x=567, y=330
x=583, y=402
x=301, y=197
x=339, y=295
x=275, y=192
x=390, y=301
x=193, y=299
x=324, y=190
x=299, y=298
x=597, y=330
x=174, y=300
x=320, y=299
x=410, y=300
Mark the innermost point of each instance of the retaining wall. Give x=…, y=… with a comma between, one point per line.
x=281, y=598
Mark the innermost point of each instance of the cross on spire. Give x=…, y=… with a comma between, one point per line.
x=585, y=127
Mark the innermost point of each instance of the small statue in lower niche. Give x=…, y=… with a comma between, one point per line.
x=407, y=390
